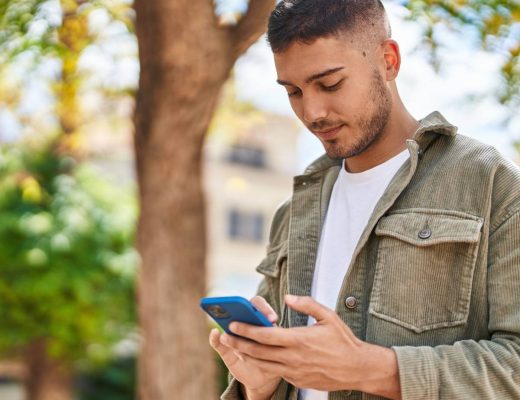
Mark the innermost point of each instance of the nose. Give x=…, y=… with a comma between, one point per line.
x=313, y=109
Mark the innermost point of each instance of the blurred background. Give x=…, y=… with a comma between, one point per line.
x=143, y=151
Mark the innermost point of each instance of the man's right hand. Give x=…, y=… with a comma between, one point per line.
x=257, y=383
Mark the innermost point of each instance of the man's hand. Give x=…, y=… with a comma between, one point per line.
x=259, y=384
x=325, y=356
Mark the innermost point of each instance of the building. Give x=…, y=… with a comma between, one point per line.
x=247, y=176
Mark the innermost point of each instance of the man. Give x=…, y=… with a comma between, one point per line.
x=394, y=269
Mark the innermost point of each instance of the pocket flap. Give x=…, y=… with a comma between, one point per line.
x=430, y=228
x=271, y=263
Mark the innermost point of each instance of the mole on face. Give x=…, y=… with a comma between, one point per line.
x=364, y=54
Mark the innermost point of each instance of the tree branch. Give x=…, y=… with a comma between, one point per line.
x=251, y=25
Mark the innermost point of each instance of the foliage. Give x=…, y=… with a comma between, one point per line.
x=16, y=19
x=34, y=24
x=47, y=41
x=66, y=261
x=496, y=23
x=114, y=381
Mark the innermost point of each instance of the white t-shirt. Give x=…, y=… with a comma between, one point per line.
x=352, y=202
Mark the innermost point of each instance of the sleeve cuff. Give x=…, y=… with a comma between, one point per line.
x=418, y=374
x=233, y=391
x=283, y=392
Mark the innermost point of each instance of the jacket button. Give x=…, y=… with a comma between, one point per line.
x=425, y=234
x=351, y=302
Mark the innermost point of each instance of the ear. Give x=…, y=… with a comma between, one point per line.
x=392, y=58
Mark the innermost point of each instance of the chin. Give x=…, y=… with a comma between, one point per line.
x=336, y=150
x=335, y=155
x=339, y=153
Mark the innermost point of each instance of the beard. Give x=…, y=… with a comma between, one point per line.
x=370, y=127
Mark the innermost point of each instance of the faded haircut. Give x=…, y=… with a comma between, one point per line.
x=364, y=21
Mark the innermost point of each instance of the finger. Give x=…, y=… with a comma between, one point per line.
x=265, y=308
x=215, y=342
x=274, y=336
x=272, y=368
x=228, y=355
x=307, y=305
x=252, y=349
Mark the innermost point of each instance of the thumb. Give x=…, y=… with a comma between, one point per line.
x=307, y=305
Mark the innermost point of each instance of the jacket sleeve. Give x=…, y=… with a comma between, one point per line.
x=234, y=391
x=487, y=369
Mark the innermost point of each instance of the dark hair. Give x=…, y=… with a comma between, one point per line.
x=307, y=20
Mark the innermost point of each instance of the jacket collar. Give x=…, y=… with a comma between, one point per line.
x=435, y=122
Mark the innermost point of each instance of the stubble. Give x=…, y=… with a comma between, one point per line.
x=370, y=128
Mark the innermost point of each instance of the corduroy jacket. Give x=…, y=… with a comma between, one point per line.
x=436, y=272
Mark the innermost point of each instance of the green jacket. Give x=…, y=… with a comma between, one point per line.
x=436, y=272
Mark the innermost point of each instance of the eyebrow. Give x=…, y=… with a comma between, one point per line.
x=319, y=75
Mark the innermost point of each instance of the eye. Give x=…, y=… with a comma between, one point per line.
x=294, y=93
x=332, y=88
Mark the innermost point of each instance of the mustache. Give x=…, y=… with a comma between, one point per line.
x=324, y=125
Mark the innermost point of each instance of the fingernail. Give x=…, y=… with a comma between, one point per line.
x=232, y=326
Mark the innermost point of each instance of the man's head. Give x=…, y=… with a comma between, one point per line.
x=304, y=21
x=338, y=64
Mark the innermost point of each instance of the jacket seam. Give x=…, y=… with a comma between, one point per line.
x=508, y=215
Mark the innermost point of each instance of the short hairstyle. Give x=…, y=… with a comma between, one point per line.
x=305, y=21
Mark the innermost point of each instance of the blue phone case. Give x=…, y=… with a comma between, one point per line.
x=224, y=310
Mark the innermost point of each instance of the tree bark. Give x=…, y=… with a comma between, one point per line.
x=47, y=378
x=185, y=59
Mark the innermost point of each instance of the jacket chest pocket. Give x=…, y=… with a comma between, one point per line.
x=274, y=269
x=424, y=269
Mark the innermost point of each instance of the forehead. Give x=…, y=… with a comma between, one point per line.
x=300, y=60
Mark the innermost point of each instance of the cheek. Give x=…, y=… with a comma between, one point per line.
x=344, y=107
x=355, y=106
x=357, y=96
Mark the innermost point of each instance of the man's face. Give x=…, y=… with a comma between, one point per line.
x=337, y=92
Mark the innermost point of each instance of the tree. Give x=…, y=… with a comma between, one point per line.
x=43, y=30
x=60, y=274
x=496, y=23
x=186, y=56
x=67, y=266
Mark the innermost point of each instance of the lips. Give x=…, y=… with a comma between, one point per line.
x=328, y=133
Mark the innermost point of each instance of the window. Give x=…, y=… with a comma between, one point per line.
x=247, y=155
x=247, y=226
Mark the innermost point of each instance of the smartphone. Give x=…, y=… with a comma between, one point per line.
x=225, y=310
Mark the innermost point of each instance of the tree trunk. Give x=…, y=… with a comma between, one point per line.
x=185, y=59
x=47, y=378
